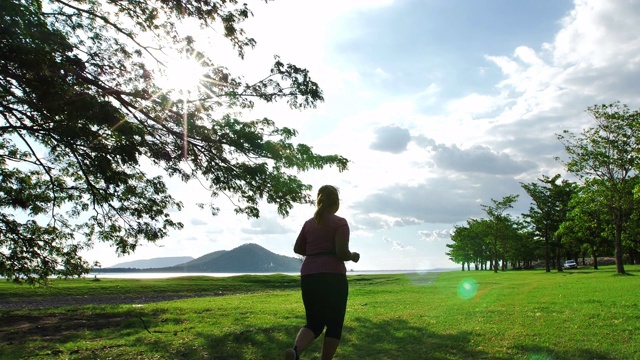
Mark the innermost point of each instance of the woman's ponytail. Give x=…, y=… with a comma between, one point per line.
x=327, y=199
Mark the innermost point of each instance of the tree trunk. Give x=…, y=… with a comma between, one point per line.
x=546, y=254
x=595, y=257
x=495, y=255
x=634, y=256
x=558, y=261
x=619, y=253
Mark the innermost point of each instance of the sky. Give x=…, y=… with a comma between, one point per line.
x=440, y=106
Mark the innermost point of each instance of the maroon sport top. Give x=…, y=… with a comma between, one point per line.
x=319, y=243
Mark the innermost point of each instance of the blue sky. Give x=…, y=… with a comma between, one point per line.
x=440, y=105
x=425, y=41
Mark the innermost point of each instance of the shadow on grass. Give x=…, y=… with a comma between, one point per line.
x=399, y=339
x=627, y=273
x=24, y=335
x=378, y=339
x=362, y=339
x=389, y=339
x=544, y=353
x=73, y=333
x=591, y=271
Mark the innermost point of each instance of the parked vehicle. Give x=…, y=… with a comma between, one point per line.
x=570, y=264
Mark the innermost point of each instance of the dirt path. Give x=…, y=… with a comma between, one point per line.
x=62, y=301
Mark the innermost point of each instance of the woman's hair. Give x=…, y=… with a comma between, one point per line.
x=327, y=199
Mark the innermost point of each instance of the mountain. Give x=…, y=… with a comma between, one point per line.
x=154, y=263
x=247, y=258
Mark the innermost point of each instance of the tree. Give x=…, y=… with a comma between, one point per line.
x=586, y=221
x=498, y=238
x=460, y=252
x=525, y=247
x=609, y=152
x=631, y=236
x=549, y=209
x=503, y=228
x=81, y=111
x=469, y=243
x=480, y=242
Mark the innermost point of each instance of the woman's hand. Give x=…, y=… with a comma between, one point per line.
x=355, y=257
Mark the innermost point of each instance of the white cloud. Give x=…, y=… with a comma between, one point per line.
x=474, y=104
x=265, y=226
x=392, y=139
x=479, y=159
x=429, y=95
x=381, y=74
x=599, y=34
x=435, y=235
x=198, y=222
x=377, y=221
x=396, y=245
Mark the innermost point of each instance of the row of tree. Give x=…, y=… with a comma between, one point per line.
x=597, y=216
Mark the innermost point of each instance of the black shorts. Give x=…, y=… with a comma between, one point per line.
x=325, y=302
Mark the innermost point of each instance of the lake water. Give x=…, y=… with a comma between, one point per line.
x=151, y=275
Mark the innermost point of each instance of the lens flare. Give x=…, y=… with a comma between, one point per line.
x=539, y=357
x=467, y=289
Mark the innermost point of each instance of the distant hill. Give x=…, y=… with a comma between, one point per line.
x=154, y=263
x=247, y=258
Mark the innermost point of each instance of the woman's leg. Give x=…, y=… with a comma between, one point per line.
x=312, y=299
x=304, y=339
x=329, y=347
x=336, y=306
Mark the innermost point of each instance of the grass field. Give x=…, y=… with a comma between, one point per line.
x=578, y=314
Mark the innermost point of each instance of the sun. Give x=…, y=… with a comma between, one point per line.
x=183, y=75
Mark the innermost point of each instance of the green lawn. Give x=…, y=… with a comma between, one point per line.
x=578, y=314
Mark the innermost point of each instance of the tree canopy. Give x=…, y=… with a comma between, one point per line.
x=81, y=110
x=609, y=152
x=548, y=211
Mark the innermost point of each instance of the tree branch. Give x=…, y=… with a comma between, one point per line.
x=113, y=25
x=42, y=166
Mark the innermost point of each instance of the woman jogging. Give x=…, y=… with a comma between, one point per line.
x=324, y=241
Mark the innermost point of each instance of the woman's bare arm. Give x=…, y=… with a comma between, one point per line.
x=342, y=248
x=300, y=247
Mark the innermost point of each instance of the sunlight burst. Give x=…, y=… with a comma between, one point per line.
x=182, y=79
x=184, y=75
